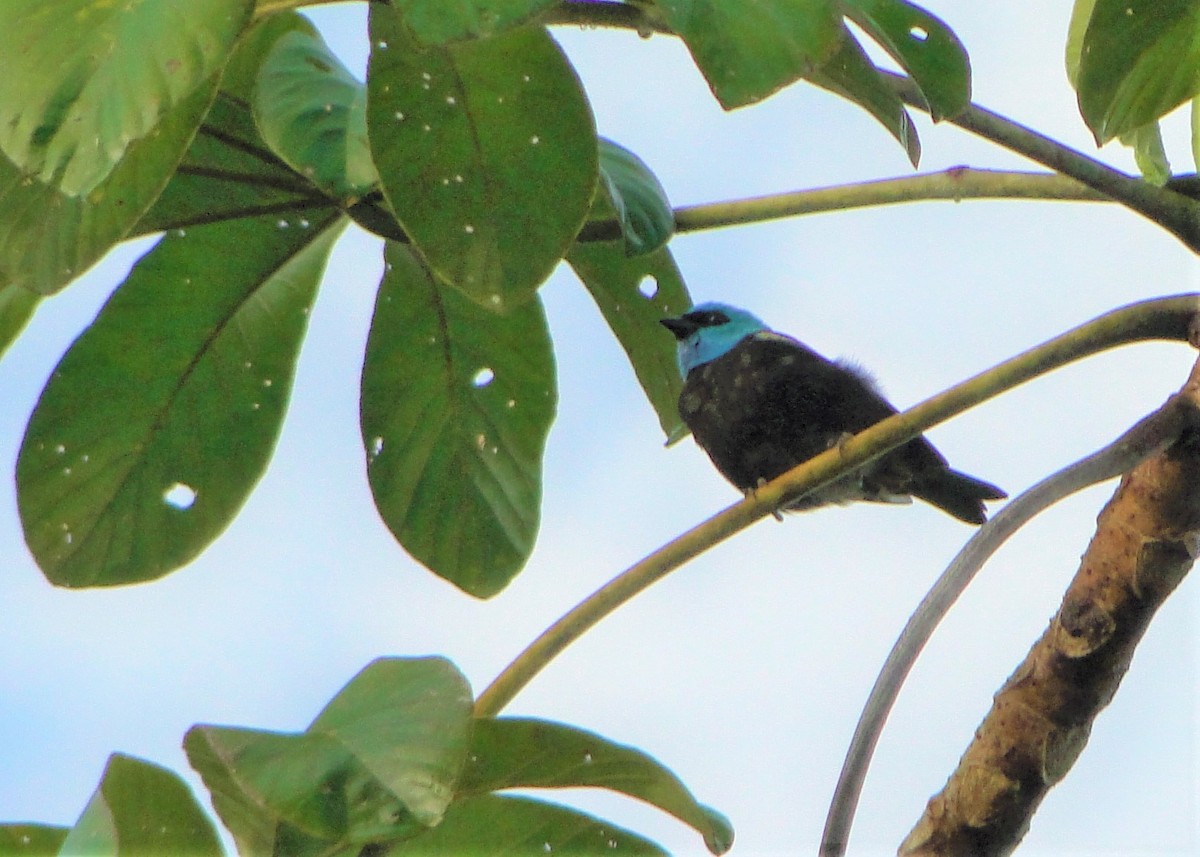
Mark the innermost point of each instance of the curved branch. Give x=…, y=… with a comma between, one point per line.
x=1163, y=318
x=1173, y=211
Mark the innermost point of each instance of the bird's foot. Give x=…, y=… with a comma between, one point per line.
x=752, y=493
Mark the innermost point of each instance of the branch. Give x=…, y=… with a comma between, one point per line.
x=1145, y=543
x=1164, y=318
x=1148, y=437
x=1173, y=211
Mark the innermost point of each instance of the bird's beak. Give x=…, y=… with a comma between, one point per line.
x=682, y=328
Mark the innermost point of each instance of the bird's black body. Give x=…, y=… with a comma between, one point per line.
x=769, y=403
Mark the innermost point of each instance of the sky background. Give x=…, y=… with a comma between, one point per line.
x=745, y=671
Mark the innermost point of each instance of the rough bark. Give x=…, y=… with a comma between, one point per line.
x=1146, y=540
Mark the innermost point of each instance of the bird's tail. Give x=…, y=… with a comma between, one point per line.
x=959, y=494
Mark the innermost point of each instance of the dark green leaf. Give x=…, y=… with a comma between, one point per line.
x=638, y=200
x=229, y=171
x=16, y=307
x=513, y=752
x=31, y=840
x=407, y=720
x=489, y=825
x=442, y=21
x=487, y=152
x=313, y=113
x=456, y=405
x=748, y=51
x=142, y=809
x=925, y=48
x=633, y=294
x=83, y=80
x=1140, y=59
x=852, y=75
x=379, y=762
x=161, y=417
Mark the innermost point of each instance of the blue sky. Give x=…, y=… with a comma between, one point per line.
x=745, y=670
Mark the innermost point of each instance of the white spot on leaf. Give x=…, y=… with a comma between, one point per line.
x=648, y=286
x=483, y=377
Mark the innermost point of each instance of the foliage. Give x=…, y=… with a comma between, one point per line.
x=471, y=151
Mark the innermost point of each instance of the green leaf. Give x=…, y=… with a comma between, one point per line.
x=456, y=405
x=313, y=113
x=1081, y=15
x=84, y=80
x=48, y=238
x=228, y=170
x=142, y=809
x=492, y=825
x=280, y=794
x=512, y=752
x=31, y=840
x=638, y=200
x=161, y=417
x=16, y=308
x=924, y=46
x=851, y=74
x=439, y=22
x=379, y=762
x=487, y=152
x=408, y=721
x=1140, y=60
x=747, y=51
x=633, y=293
x=1148, y=151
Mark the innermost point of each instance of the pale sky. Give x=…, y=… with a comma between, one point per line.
x=745, y=671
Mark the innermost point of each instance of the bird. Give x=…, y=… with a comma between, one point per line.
x=760, y=402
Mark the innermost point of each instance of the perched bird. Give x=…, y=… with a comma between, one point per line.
x=759, y=403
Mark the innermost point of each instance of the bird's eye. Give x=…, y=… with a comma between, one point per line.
x=715, y=319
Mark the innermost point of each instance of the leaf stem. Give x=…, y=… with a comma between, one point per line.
x=1162, y=318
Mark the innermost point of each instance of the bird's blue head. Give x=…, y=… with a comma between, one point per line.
x=709, y=330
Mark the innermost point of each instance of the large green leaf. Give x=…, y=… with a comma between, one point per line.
x=456, y=405
x=84, y=80
x=31, y=840
x=1139, y=60
x=633, y=293
x=748, y=51
x=487, y=153
x=16, y=306
x=443, y=21
x=313, y=113
x=379, y=763
x=229, y=171
x=141, y=809
x=408, y=720
x=851, y=74
x=636, y=198
x=492, y=825
x=513, y=752
x=161, y=417
x=925, y=48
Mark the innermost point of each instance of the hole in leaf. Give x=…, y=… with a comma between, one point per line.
x=483, y=377
x=919, y=33
x=180, y=496
x=376, y=446
x=648, y=286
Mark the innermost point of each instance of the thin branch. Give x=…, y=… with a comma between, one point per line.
x=954, y=184
x=1173, y=211
x=1164, y=318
